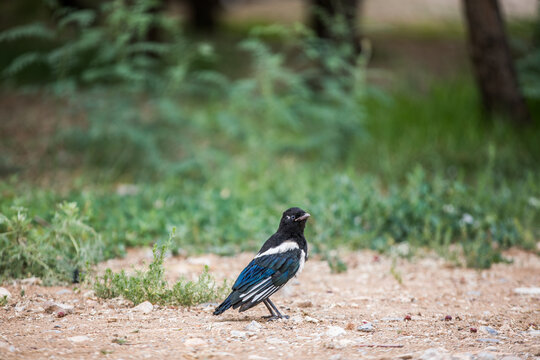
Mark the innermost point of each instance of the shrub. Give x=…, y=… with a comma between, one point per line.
x=54, y=251
x=151, y=285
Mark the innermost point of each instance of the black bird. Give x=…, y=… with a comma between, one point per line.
x=281, y=257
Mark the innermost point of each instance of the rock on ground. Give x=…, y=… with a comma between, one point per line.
x=144, y=307
x=5, y=292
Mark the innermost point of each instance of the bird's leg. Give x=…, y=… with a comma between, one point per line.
x=278, y=314
x=272, y=315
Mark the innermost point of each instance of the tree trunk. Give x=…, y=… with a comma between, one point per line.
x=204, y=14
x=324, y=12
x=493, y=65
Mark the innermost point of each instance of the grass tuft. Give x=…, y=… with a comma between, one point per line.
x=151, y=285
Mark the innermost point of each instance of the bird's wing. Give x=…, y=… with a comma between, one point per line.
x=265, y=275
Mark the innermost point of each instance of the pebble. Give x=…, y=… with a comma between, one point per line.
x=367, y=327
x=489, y=340
x=257, y=357
x=435, y=354
x=194, y=342
x=311, y=320
x=272, y=340
x=5, y=292
x=511, y=357
x=334, y=331
x=238, y=334
x=297, y=319
x=485, y=356
x=527, y=291
x=253, y=326
x=339, y=344
x=63, y=292
x=144, y=307
x=79, y=339
x=335, y=357
x=58, y=309
x=489, y=330
x=463, y=356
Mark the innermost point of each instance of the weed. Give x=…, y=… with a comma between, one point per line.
x=151, y=285
x=395, y=272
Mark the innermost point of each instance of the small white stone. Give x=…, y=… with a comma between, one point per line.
x=51, y=307
x=63, y=292
x=272, y=340
x=527, y=291
x=5, y=292
x=367, y=327
x=194, y=342
x=334, y=331
x=79, y=339
x=435, y=354
x=145, y=307
x=345, y=342
x=311, y=320
x=257, y=357
x=238, y=334
x=485, y=356
x=253, y=326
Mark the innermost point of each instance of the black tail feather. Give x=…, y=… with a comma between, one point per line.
x=225, y=304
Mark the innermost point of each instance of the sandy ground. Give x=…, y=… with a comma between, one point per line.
x=326, y=310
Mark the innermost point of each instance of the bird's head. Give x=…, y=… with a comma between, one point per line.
x=293, y=219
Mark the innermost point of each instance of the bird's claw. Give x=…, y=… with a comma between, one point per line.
x=275, y=317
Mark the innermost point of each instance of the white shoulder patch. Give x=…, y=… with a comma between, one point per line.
x=284, y=247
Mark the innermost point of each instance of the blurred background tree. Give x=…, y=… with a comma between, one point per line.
x=493, y=64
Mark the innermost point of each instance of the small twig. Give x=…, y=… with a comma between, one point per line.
x=381, y=345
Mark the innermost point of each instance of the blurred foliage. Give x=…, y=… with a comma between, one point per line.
x=52, y=250
x=529, y=64
x=161, y=140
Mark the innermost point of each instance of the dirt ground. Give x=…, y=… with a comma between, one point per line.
x=326, y=310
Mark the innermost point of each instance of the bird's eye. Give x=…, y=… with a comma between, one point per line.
x=292, y=217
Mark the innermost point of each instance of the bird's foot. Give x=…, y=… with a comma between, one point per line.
x=275, y=317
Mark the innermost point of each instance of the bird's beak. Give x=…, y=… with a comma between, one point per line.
x=303, y=217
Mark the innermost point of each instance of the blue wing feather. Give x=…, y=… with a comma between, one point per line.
x=280, y=268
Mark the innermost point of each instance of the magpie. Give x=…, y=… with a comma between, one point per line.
x=281, y=257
